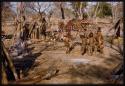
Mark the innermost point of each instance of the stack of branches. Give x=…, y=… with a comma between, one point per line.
x=116, y=35
x=117, y=47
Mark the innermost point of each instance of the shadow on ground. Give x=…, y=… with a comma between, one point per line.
x=26, y=62
x=88, y=74
x=113, y=60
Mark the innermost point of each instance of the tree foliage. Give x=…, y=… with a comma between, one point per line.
x=79, y=8
x=104, y=9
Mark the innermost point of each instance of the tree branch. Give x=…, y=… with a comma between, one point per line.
x=46, y=8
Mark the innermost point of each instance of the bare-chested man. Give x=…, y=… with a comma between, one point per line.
x=99, y=41
x=91, y=42
x=83, y=36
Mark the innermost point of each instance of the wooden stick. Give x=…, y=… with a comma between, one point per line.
x=9, y=61
x=4, y=76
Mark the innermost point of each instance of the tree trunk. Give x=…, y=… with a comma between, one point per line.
x=62, y=11
x=112, y=12
x=49, y=17
x=96, y=9
x=80, y=10
x=95, y=15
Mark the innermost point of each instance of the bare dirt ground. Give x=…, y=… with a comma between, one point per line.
x=74, y=68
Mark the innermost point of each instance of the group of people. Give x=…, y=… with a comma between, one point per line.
x=25, y=31
x=38, y=29
x=19, y=47
x=35, y=30
x=91, y=42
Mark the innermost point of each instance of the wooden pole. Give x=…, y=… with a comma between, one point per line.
x=9, y=61
x=4, y=76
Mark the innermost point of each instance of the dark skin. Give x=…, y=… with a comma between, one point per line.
x=44, y=28
x=67, y=44
x=100, y=41
x=84, y=42
x=91, y=43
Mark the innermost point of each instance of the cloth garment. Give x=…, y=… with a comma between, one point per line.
x=19, y=48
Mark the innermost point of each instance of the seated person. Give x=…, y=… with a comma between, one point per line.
x=19, y=47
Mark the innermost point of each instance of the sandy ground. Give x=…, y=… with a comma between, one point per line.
x=94, y=67
x=74, y=68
